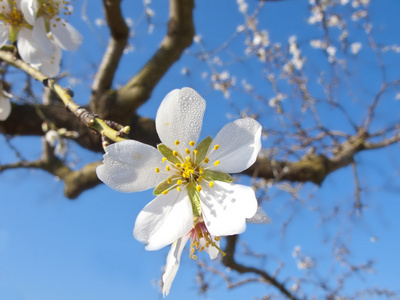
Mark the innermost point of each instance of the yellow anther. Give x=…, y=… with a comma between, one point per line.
x=175, y=153
x=176, y=142
x=194, y=257
x=164, y=159
x=157, y=170
x=206, y=160
x=167, y=168
x=187, y=151
x=165, y=192
x=169, y=180
x=178, y=188
x=216, y=163
x=191, y=143
x=199, y=179
x=217, y=238
x=216, y=147
x=198, y=188
x=211, y=184
x=187, y=159
x=195, y=152
x=201, y=171
x=185, y=175
x=201, y=249
x=178, y=165
x=179, y=182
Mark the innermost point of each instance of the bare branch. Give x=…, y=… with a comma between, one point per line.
x=179, y=37
x=119, y=36
x=229, y=261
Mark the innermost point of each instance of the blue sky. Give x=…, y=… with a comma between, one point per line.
x=55, y=248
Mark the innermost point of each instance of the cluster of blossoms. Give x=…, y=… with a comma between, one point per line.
x=195, y=196
x=39, y=31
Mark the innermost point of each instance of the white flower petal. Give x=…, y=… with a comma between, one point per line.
x=27, y=48
x=172, y=265
x=4, y=31
x=29, y=9
x=226, y=206
x=5, y=108
x=51, y=63
x=65, y=35
x=40, y=35
x=129, y=166
x=212, y=251
x=239, y=143
x=180, y=117
x=164, y=220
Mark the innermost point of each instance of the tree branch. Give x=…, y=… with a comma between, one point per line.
x=119, y=36
x=229, y=261
x=179, y=36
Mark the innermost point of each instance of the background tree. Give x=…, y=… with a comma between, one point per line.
x=321, y=77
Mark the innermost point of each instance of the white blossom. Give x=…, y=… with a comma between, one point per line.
x=15, y=28
x=54, y=139
x=355, y=48
x=191, y=178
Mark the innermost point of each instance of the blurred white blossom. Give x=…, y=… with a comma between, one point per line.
x=355, y=48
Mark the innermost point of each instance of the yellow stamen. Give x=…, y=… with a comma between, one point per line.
x=175, y=153
x=179, y=182
x=191, y=143
x=216, y=147
x=178, y=188
x=201, y=171
x=157, y=170
x=206, y=160
x=187, y=151
x=169, y=180
x=176, y=142
x=164, y=159
x=211, y=184
x=167, y=168
x=178, y=165
x=165, y=192
x=199, y=179
x=198, y=188
x=195, y=152
x=216, y=163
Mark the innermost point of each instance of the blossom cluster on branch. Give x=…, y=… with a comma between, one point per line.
x=39, y=31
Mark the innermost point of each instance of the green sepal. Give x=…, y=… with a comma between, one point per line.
x=211, y=175
x=164, y=186
x=168, y=153
x=202, y=148
x=194, y=197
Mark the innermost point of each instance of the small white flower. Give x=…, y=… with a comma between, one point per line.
x=59, y=144
x=355, y=48
x=5, y=107
x=15, y=28
x=186, y=173
x=190, y=178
